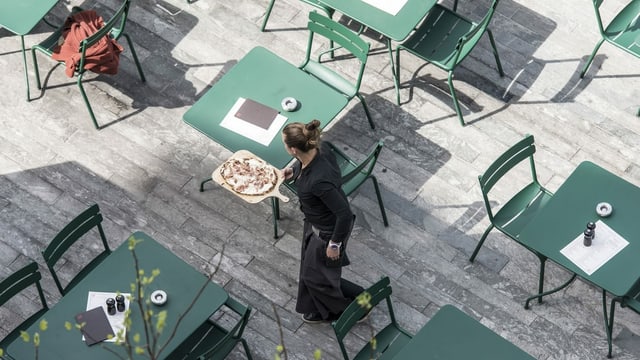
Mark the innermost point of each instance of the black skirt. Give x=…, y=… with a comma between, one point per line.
x=321, y=288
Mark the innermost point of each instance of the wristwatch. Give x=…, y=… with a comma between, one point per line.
x=334, y=245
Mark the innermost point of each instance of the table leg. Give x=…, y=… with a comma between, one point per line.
x=545, y=293
x=394, y=73
x=204, y=182
x=608, y=320
x=26, y=72
x=275, y=206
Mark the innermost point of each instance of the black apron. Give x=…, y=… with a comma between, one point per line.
x=321, y=288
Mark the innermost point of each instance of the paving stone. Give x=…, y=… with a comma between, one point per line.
x=145, y=167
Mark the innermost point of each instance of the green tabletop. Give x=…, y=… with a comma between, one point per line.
x=574, y=204
x=396, y=27
x=453, y=335
x=266, y=78
x=180, y=281
x=21, y=16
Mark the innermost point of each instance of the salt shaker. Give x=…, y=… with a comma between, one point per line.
x=120, y=302
x=588, y=236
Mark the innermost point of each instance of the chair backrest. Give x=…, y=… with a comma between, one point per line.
x=112, y=28
x=71, y=233
x=15, y=283
x=358, y=172
x=379, y=291
x=522, y=150
x=470, y=39
x=343, y=37
x=222, y=346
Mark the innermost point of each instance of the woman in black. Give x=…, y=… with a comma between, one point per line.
x=328, y=220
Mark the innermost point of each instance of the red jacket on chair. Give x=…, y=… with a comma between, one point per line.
x=103, y=57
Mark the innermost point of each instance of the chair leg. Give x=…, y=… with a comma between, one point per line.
x=135, y=57
x=377, y=188
x=35, y=67
x=396, y=76
x=26, y=71
x=204, y=182
x=456, y=104
x=86, y=101
x=246, y=349
x=275, y=206
x=482, y=239
x=455, y=5
x=593, y=54
x=267, y=14
x=366, y=110
x=495, y=53
x=543, y=261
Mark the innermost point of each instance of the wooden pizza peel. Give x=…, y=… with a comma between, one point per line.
x=242, y=154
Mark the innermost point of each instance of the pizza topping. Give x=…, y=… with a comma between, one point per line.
x=249, y=176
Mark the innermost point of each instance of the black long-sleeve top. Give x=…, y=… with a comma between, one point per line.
x=322, y=201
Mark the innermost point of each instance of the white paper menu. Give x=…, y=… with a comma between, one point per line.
x=605, y=245
x=97, y=298
x=389, y=6
x=251, y=131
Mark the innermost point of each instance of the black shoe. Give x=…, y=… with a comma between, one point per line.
x=312, y=318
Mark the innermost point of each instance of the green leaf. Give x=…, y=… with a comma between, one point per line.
x=25, y=336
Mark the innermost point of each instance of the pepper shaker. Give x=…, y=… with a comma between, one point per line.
x=111, y=306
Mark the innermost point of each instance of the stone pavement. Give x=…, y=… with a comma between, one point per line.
x=143, y=169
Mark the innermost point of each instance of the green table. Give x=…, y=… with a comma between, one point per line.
x=453, y=335
x=20, y=17
x=266, y=78
x=179, y=279
x=566, y=215
x=393, y=27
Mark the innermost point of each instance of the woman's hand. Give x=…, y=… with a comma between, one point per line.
x=287, y=173
x=333, y=254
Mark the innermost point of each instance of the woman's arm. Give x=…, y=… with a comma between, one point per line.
x=337, y=203
x=291, y=173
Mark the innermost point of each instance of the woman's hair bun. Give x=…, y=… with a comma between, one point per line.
x=312, y=125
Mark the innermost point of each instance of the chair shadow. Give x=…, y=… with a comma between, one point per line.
x=167, y=85
x=406, y=155
x=479, y=69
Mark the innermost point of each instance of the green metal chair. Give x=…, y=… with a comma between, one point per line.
x=343, y=37
x=114, y=28
x=315, y=3
x=353, y=176
x=516, y=213
x=212, y=341
x=622, y=31
x=632, y=301
x=16, y=283
x=72, y=232
x=389, y=340
x=445, y=38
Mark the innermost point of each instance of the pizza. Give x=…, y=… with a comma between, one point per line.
x=249, y=175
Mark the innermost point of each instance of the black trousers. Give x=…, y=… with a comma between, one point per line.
x=320, y=287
